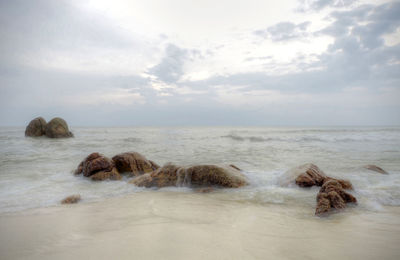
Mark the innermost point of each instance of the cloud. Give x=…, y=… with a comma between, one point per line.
x=170, y=69
x=284, y=31
x=63, y=36
x=317, y=5
x=59, y=59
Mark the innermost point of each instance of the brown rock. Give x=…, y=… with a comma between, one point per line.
x=71, y=199
x=134, y=163
x=98, y=167
x=36, y=127
x=375, y=169
x=345, y=183
x=106, y=175
x=310, y=175
x=332, y=196
x=57, y=128
x=199, y=175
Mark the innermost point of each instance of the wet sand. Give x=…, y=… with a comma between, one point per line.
x=172, y=225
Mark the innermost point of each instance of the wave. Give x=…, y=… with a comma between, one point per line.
x=327, y=139
x=131, y=140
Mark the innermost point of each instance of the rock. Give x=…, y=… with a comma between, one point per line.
x=308, y=175
x=98, y=167
x=375, y=169
x=134, y=163
x=345, y=183
x=71, y=199
x=199, y=175
x=106, y=175
x=36, y=127
x=311, y=175
x=332, y=196
x=57, y=128
x=305, y=175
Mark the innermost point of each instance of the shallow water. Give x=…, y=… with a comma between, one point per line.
x=37, y=172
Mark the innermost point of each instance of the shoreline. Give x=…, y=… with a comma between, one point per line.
x=190, y=225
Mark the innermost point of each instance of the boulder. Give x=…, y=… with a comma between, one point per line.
x=345, y=183
x=98, y=167
x=198, y=175
x=311, y=175
x=57, y=128
x=332, y=196
x=71, y=199
x=305, y=175
x=37, y=127
x=375, y=169
x=134, y=163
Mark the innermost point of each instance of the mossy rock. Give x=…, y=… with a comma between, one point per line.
x=57, y=128
x=37, y=127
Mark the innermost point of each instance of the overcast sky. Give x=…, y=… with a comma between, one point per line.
x=179, y=62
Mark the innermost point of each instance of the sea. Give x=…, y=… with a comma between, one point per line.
x=38, y=172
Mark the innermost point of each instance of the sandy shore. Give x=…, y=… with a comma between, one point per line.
x=159, y=225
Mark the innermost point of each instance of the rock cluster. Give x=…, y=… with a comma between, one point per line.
x=331, y=194
x=56, y=128
x=148, y=174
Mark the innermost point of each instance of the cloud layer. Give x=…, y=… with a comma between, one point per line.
x=327, y=63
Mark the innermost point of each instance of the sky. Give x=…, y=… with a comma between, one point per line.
x=200, y=63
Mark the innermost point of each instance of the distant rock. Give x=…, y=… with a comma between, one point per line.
x=198, y=175
x=98, y=167
x=57, y=128
x=332, y=196
x=37, y=127
x=375, y=169
x=71, y=199
x=134, y=163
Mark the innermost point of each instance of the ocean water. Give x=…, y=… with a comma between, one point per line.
x=37, y=172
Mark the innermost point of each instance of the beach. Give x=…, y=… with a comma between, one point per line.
x=262, y=220
x=156, y=225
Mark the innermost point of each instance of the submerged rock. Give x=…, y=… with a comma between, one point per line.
x=134, y=163
x=57, y=128
x=375, y=169
x=332, y=196
x=71, y=199
x=198, y=175
x=98, y=167
x=37, y=127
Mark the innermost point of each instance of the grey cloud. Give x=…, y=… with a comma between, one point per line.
x=357, y=57
x=317, y=5
x=284, y=31
x=171, y=67
x=365, y=24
